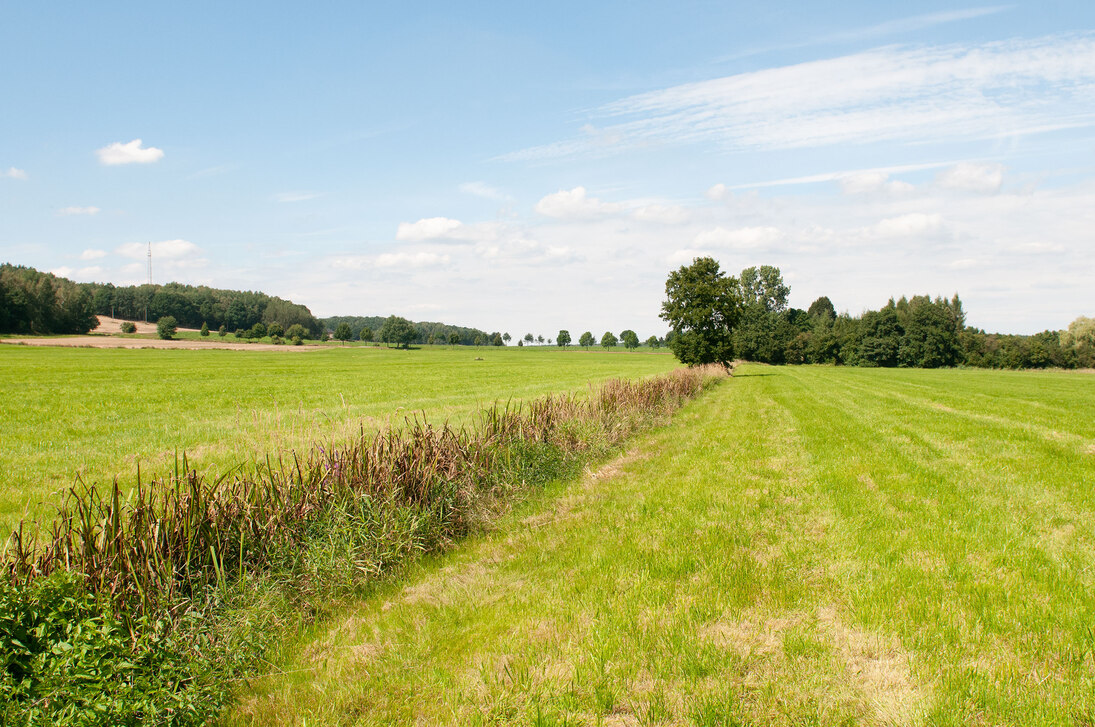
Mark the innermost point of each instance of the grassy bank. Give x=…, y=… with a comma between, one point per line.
x=98, y=413
x=803, y=546
x=142, y=607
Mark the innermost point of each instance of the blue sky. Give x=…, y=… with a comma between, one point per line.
x=535, y=168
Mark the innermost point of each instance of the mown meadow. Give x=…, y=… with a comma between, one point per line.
x=100, y=413
x=802, y=545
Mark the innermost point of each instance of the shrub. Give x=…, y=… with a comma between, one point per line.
x=222, y=331
x=296, y=331
x=240, y=333
x=205, y=330
x=275, y=329
x=257, y=331
x=129, y=327
x=166, y=327
x=297, y=340
x=277, y=340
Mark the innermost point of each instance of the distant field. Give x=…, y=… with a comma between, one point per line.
x=801, y=546
x=97, y=412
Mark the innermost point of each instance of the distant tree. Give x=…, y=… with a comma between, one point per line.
x=822, y=308
x=454, y=338
x=540, y=339
x=507, y=338
x=240, y=334
x=764, y=286
x=586, y=340
x=496, y=340
x=653, y=342
x=297, y=340
x=397, y=330
x=702, y=307
x=275, y=329
x=129, y=327
x=258, y=331
x=366, y=334
x=343, y=332
x=520, y=343
x=629, y=339
x=205, y=330
x=296, y=331
x=563, y=339
x=222, y=331
x=609, y=340
x=529, y=338
x=478, y=340
x=166, y=327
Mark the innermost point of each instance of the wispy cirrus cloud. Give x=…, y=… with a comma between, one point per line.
x=68, y=211
x=894, y=94
x=13, y=173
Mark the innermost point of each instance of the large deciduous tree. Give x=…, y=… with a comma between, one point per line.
x=702, y=307
x=563, y=339
x=630, y=339
x=397, y=330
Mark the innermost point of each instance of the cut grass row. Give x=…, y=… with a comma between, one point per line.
x=803, y=546
x=98, y=413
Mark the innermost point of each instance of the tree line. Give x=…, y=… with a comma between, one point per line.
x=42, y=303
x=717, y=318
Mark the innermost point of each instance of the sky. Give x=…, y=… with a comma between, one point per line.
x=529, y=167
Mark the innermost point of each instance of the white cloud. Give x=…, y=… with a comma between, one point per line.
x=664, y=214
x=972, y=177
x=78, y=211
x=872, y=182
x=410, y=259
x=296, y=196
x=429, y=228
x=573, y=204
x=742, y=238
x=92, y=254
x=717, y=192
x=893, y=94
x=965, y=263
x=13, y=173
x=63, y=272
x=90, y=272
x=484, y=190
x=914, y=223
x=129, y=153
x=164, y=250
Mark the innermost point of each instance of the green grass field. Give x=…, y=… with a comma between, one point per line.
x=97, y=413
x=801, y=546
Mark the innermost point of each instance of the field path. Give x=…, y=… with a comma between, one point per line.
x=802, y=546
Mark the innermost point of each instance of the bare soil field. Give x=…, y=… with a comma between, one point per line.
x=113, y=326
x=101, y=341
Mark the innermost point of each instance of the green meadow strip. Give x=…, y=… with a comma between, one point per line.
x=191, y=578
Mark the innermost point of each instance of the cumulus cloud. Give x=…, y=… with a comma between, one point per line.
x=295, y=196
x=574, y=204
x=13, y=173
x=66, y=211
x=717, y=192
x=742, y=238
x=90, y=272
x=912, y=224
x=63, y=271
x=429, y=228
x=410, y=259
x=92, y=254
x=132, y=152
x=869, y=182
x=164, y=250
x=972, y=177
x=665, y=214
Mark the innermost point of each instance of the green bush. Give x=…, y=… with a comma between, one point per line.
x=275, y=329
x=129, y=327
x=222, y=331
x=166, y=327
x=205, y=330
x=297, y=341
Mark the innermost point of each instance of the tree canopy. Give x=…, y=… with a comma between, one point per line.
x=397, y=330
x=702, y=307
x=563, y=339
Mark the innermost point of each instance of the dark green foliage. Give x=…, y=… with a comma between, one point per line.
x=653, y=342
x=41, y=303
x=454, y=338
x=630, y=339
x=205, y=330
x=702, y=306
x=275, y=330
x=398, y=331
x=822, y=308
x=586, y=340
x=365, y=334
x=343, y=332
x=441, y=332
x=563, y=339
x=166, y=327
x=193, y=305
x=258, y=331
x=609, y=340
x=296, y=331
x=222, y=331
x=496, y=339
x=128, y=327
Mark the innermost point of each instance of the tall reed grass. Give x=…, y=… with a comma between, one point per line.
x=156, y=551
